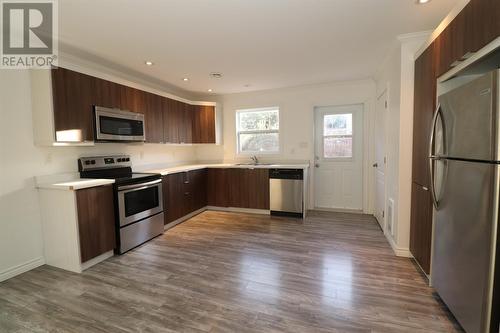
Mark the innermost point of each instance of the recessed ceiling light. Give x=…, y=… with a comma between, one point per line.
x=185, y=79
x=209, y=90
x=421, y=2
x=148, y=63
x=216, y=75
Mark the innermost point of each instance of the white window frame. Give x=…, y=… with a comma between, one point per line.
x=338, y=158
x=238, y=132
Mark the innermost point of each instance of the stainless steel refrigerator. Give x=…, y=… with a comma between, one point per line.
x=465, y=170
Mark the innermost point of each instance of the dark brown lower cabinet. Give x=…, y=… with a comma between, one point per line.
x=96, y=221
x=249, y=188
x=217, y=185
x=184, y=193
x=421, y=226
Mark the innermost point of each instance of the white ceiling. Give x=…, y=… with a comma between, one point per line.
x=262, y=43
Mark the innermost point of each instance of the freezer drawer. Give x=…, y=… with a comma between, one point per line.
x=286, y=195
x=137, y=233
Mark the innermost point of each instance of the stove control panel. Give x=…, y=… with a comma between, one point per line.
x=103, y=162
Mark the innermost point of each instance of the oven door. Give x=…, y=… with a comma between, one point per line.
x=138, y=201
x=118, y=125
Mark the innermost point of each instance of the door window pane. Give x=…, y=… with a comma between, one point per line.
x=334, y=147
x=337, y=124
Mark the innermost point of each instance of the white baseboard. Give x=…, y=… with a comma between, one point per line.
x=21, y=268
x=399, y=251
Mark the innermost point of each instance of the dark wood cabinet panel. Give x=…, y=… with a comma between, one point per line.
x=96, y=221
x=106, y=93
x=72, y=100
x=197, y=189
x=421, y=226
x=186, y=127
x=177, y=122
x=184, y=193
x=133, y=99
x=258, y=188
x=173, y=197
x=170, y=120
x=424, y=105
x=248, y=188
x=217, y=187
x=153, y=119
x=238, y=182
x=203, y=124
x=484, y=18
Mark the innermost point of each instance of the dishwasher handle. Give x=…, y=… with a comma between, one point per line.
x=286, y=174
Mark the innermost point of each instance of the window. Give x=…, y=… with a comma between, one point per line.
x=257, y=130
x=337, y=135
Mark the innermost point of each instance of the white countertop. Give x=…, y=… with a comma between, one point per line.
x=71, y=182
x=183, y=168
x=76, y=184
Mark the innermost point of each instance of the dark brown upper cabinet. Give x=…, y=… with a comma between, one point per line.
x=484, y=20
x=72, y=100
x=133, y=99
x=96, y=221
x=424, y=105
x=203, y=124
x=153, y=118
x=166, y=120
x=186, y=126
x=171, y=120
x=106, y=93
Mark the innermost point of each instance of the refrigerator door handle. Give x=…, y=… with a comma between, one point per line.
x=432, y=158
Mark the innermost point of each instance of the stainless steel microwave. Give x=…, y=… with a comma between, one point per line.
x=118, y=125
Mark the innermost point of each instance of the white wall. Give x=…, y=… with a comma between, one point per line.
x=20, y=161
x=296, y=121
x=396, y=75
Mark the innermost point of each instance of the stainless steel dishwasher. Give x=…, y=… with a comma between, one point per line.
x=286, y=194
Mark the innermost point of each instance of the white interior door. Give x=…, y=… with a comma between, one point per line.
x=380, y=161
x=339, y=157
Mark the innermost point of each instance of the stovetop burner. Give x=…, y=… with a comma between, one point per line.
x=116, y=167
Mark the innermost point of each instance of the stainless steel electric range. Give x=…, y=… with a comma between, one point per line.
x=138, y=198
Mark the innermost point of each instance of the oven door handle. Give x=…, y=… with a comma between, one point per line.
x=139, y=186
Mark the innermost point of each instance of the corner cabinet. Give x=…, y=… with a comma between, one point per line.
x=63, y=101
x=184, y=193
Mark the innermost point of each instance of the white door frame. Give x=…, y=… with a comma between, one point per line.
x=382, y=224
x=368, y=183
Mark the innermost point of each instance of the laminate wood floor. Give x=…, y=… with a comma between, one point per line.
x=232, y=272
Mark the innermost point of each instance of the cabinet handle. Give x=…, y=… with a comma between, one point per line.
x=425, y=188
x=186, y=193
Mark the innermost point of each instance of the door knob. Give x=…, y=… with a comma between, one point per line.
x=316, y=165
x=375, y=165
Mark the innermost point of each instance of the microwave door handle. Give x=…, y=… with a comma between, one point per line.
x=139, y=186
x=433, y=158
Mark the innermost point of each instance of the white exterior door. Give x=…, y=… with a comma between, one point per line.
x=339, y=157
x=380, y=162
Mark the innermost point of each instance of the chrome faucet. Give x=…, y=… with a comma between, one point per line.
x=255, y=159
